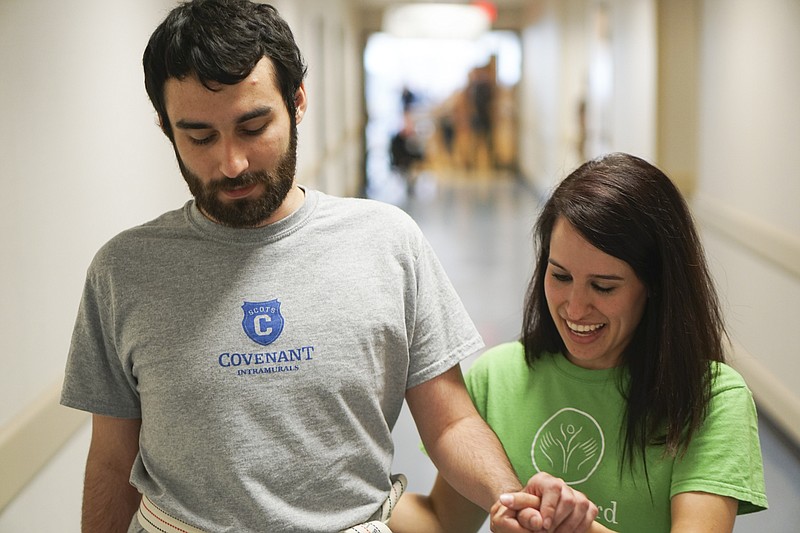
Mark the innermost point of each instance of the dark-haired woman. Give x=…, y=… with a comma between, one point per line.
x=618, y=386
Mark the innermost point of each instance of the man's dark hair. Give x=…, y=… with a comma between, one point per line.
x=220, y=41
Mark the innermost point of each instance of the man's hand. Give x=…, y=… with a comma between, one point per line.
x=546, y=504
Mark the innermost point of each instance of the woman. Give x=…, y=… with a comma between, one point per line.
x=618, y=386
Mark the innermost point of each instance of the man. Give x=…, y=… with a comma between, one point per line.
x=245, y=357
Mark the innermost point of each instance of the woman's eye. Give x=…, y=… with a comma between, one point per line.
x=600, y=288
x=561, y=277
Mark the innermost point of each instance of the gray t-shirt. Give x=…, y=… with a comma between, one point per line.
x=268, y=365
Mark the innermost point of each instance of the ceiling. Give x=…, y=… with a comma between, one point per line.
x=382, y=3
x=509, y=12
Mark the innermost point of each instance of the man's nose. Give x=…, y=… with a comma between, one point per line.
x=233, y=159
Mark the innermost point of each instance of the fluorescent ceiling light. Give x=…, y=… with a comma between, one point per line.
x=448, y=21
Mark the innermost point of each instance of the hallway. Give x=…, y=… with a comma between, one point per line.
x=670, y=81
x=481, y=231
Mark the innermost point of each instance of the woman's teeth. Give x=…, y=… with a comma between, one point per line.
x=582, y=328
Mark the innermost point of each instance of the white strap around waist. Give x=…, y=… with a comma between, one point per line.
x=399, y=484
x=154, y=520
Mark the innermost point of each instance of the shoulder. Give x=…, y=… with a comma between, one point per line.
x=385, y=228
x=501, y=361
x=363, y=210
x=726, y=378
x=731, y=399
x=499, y=375
x=508, y=353
x=130, y=243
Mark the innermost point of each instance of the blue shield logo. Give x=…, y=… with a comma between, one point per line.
x=263, y=321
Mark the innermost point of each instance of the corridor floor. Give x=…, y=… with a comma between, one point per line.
x=481, y=231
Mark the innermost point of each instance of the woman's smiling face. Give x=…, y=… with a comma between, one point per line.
x=595, y=299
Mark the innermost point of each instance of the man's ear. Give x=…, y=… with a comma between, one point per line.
x=166, y=129
x=300, y=103
x=163, y=125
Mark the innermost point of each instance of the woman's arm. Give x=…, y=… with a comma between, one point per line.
x=443, y=511
x=702, y=512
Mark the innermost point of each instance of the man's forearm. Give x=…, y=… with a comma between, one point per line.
x=472, y=460
x=109, y=500
x=464, y=449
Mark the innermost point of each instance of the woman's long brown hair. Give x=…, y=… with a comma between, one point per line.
x=629, y=209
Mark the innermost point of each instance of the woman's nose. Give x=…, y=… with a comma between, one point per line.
x=578, y=303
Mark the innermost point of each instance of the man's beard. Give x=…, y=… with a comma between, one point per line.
x=245, y=213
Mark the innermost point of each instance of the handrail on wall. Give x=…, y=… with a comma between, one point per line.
x=32, y=438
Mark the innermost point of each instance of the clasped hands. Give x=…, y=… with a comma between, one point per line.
x=546, y=504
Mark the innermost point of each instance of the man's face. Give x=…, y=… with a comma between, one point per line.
x=236, y=146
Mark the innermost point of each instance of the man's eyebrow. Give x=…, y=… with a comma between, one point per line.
x=197, y=125
x=255, y=113
x=191, y=125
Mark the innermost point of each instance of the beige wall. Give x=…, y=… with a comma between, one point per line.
x=678, y=36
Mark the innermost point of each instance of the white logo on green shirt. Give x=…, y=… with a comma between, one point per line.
x=569, y=445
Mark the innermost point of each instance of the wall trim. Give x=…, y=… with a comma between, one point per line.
x=781, y=249
x=773, y=398
x=769, y=242
x=32, y=438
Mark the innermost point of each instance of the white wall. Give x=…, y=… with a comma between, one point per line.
x=538, y=95
x=563, y=62
x=633, y=41
x=749, y=186
x=82, y=159
x=329, y=153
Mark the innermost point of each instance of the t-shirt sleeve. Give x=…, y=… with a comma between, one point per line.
x=96, y=379
x=724, y=456
x=443, y=333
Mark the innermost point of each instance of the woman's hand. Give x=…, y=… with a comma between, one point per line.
x=546, y=504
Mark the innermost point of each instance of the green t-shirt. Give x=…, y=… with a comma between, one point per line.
x=565, y=420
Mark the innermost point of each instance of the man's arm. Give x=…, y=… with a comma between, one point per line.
x=109, y=500
x=464, y=449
